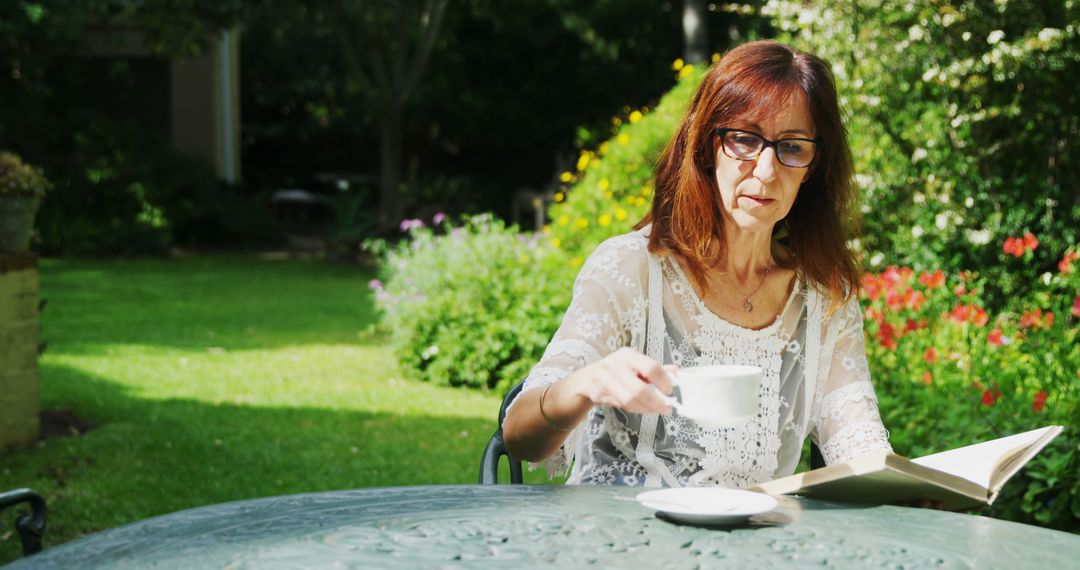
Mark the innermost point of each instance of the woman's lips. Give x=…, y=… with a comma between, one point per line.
x=757, y=200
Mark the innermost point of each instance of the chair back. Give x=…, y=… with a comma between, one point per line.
x=31, y=526
x=496, y=447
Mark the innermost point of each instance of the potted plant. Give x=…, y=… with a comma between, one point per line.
x=21, y=188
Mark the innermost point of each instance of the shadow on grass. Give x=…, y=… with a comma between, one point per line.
x=150, y=457
x=234, y=303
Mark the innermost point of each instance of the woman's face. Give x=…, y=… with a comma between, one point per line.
x=756, y=194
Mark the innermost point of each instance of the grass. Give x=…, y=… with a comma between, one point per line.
x=214, y=379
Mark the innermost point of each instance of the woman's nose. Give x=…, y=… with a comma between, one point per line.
x=765, y=165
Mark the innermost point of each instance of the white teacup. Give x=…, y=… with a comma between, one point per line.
x=717, y=396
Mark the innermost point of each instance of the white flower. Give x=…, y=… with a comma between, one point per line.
x=915, y=33
x=877, y=258
x=966, y=36
x=1046, y=278
x=429, y=352
x=917, y=231
x=941, y=220
x=979, y=237
x=919, y=154
x=919, y=198
x=995, y=37
x=969, y=202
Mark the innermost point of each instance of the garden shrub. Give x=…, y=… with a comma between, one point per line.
x=950, y=372
x=473, y=304
x=611, y=187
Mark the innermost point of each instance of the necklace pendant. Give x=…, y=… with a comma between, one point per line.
x=748, y=306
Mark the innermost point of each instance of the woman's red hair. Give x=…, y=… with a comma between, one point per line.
x=747, y=84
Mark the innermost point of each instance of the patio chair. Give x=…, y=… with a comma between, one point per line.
x=496, y=449
x=31, y=526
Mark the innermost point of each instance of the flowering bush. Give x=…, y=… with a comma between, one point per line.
x=611, y=187
x=472, y=304
x=950, y=373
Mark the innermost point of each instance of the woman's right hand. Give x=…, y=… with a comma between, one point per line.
x=625, y=379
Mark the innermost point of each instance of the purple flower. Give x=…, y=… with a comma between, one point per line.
x=438, y=218
x=375, y=284
x=407, y=225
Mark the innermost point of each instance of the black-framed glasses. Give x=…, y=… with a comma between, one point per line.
x=747, y=145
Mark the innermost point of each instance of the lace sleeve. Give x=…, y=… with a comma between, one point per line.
x=607, y=312
x=849, y=424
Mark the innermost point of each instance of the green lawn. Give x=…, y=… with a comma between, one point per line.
x=214, y=379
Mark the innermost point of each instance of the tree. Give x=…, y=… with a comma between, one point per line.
x=385, y=51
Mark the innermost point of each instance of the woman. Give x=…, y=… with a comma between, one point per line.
x=743, y=259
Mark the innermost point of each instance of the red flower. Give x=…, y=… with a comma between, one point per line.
x=995, y=337
x=932, y=280
x=927, y=377
x=1065, y=265
x=887, y=336
x=1037, y=318
x=988, y=398
x=872, y=286
x=1076, y=306
x=1039, y=402
x=980, y=318
x=1014, y=246
x=960, y=312
x=872, y=314
x=931, y=355
x=1030, y=242
x=960, y=290
x=891, y=276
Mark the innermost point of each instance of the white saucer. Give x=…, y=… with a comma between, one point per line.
x=707, y=505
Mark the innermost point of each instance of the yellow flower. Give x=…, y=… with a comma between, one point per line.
x=547, y=228
x=715, y=57
x=566, y=177
x=558, y=197
x=620, y=214
x=624, y=139
x=582, y=223
x=603, y=148
x=604, y=184
x=635, y=116
x=523, y=259
x=583, y=160
x=609, y=195
x=563, y=220
x=604, y=220
x=616, y=121
x=646, y=190
x=686, y=71
x=678, y=64
x=556, y=242
x=575, y=262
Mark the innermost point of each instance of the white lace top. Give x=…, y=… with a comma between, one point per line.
x=816, y=380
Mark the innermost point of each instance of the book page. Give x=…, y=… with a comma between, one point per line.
x=978, y=463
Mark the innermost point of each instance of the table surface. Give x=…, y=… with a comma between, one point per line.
x=517, y=526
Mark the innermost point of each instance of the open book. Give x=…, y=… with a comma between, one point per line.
x=959, y=479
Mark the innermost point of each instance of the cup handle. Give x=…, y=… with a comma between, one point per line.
x=671, y=400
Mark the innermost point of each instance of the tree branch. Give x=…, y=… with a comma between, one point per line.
x=431, y=21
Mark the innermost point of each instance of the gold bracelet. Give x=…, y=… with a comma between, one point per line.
x=542, y=413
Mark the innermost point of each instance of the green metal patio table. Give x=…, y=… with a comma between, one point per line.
x=519, y=526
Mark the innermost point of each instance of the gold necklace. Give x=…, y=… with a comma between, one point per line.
x=748, y=306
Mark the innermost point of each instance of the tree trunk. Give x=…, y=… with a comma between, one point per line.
x=390, y=166
x=695, y=36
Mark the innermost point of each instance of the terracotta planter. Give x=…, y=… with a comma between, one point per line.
x=16, y=222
